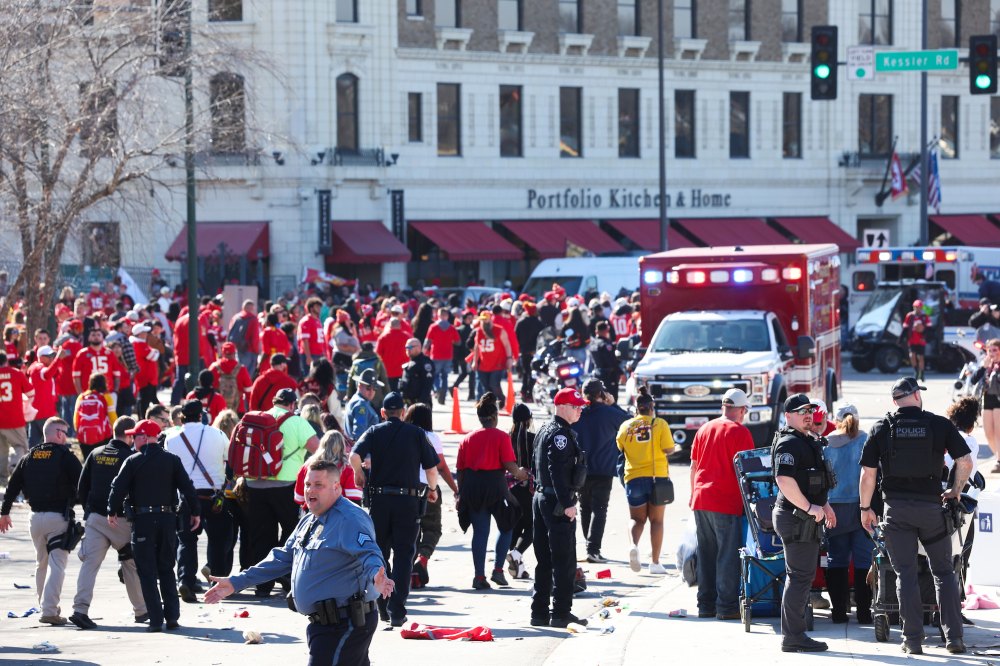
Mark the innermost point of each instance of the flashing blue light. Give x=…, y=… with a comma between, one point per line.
x=742, y=275
x=652, y=277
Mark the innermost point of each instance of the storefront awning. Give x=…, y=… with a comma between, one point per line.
x=969, y=229
x=241, y=239
x=365, y=242
x=811, y=230
x=468, y=241
x=720, y=232
x=646, y=234
x=550, y=237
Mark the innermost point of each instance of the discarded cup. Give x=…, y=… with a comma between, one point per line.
x=45, y=646
x=610, y=629
x=252, y=638
x=604, y=614
x=678, y=612
x=605, y=573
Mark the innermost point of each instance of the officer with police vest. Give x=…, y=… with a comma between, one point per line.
x=803, y=481
x=398, y=451
x=909, y=446
x=559, y=474
x=360, y=413
x=99, y=470
x=48, y=475
x=150, y=480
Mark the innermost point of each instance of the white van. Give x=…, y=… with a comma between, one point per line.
x=585, y=275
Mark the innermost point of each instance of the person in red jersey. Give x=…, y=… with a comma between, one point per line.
x=391, y=348
x=94, y=359
x=42, y=375
x=231, y=378
x=14, y=388
x=309, y=334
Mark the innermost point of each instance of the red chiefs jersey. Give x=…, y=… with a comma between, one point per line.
x=89, y=362
x=622, y=326
x=67, y=354
x=310, y=336
x=491, y=351
x=96, y=302
x=14, y=385
x=43, y=381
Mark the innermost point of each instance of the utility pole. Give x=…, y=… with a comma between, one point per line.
x=192, y=245
x=664, y=246
x=924, y=174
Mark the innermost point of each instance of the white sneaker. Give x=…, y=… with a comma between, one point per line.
x=633, y=559
x=657, y=568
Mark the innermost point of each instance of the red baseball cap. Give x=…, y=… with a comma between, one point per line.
x=570, y=396
x=228, y=348
x=145, y=427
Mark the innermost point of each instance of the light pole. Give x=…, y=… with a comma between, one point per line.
x=925, y=176
x=192, y=244
x=664, y=246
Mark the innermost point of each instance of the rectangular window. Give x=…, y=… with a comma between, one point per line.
x=791, y=126
x=739, y=20
x=510, y=121
x=948, y=142
x=995, y=128
x=949, y=31
x=684, y=126
x=347, y=113
x=875, y=22
x=684, y=19
x=227, y=94
x=510, y=15
x=347, y=11
x=628, y=122
x=449, y=110
x=739, y=124
x=447, y=14
x=569, y=17
x=791, y=20
x=628, y=17
x=874, y=125
x=414, y=8
x=225, y=10
x=570, y=116
x=415, y=117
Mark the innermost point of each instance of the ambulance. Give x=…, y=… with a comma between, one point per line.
x=764, y=319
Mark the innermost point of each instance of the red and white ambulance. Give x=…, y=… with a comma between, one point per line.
x=764, y=319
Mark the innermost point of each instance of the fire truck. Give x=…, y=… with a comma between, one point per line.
x=764, y=319
x=955, y=266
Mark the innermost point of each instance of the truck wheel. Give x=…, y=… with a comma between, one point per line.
x=831, y=387
x=888, y=359
x=862, y=363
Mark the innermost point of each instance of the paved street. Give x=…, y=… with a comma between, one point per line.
x=641, y=631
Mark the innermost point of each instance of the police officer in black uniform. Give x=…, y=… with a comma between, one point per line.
x=150, y=480
x=397, y=451
x=909, y=445
x=602, y=362
x=559, y=473
x=417, y=382
x=803, y=482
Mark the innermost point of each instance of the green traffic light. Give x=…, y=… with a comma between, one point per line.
x=983, y=81
x=822, y=71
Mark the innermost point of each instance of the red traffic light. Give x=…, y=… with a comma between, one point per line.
x=822, y=39
x=982, y=50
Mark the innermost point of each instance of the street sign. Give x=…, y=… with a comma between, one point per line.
x=911, y=61
x=875, y=238
x=861, y=63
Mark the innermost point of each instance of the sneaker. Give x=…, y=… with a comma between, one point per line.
x=514, y=563
x=956, y=646
x=154, y=628
x=596, y=558
x=702, y=615
x=657, y=568
x=420, y=570
x=173, y=625
x=539, y=620
x=398, y=621
x=188, y=595
x=206, y=572
x=82, y=621
x=912, y=648
x=564, y=620
x=499, y=578
x=142, y=619
x=818, y=601
x=804, y=644
x=728, y=616
x=522, y=572
x=54, y=620
x=633, y=559
x=480, y=583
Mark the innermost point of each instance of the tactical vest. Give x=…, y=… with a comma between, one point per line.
x=907, y=449
x=816, y=479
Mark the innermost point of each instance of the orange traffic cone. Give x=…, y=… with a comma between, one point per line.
x=456, y=415
x=508, y=407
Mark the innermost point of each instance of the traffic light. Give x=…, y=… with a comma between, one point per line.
x=983, y=64
x=824, y=62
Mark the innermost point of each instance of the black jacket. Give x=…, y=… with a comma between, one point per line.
x=526, y=330
x=47, y=475
x=100, y=469
x=556, y=452
x=417, y=382
x=152, y=478
x=596, y=432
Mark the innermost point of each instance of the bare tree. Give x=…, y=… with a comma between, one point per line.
x=92, y=117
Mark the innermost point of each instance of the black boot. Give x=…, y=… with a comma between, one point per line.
x=862, y=596
x=840, y=594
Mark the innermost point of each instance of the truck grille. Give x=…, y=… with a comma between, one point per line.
x=677, y=397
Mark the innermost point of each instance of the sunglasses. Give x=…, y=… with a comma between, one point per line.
x=803, y=411
x=64, y=432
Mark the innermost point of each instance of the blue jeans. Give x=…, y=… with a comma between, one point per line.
x=480, y=538
x=179, y=390
x=718, y=562
x=441, y=369
x=848, y=540
x=67, y=404
x=490, y=381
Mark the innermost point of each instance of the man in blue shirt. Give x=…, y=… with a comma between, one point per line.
x=336, y=567
x=360, y=413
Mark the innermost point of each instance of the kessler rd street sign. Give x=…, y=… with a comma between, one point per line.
x=909, y=61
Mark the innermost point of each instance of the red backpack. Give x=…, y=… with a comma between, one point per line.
x=92, y=419
x=256, y=447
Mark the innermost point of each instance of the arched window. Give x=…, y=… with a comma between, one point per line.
x=227, y=94
x=347, y=112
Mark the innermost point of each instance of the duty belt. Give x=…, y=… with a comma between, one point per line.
x=546, y=491
x=343, y=613
x=139, y=510
x=401, y=492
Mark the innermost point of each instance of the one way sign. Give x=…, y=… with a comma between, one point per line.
x=876, y=238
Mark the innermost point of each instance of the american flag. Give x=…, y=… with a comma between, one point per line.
x=934, y=187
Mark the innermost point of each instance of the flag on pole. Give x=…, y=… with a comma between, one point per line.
x=933, y=182
x=898, y=187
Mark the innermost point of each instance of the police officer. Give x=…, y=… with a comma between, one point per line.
x=150, y=480
x=398, y=451
x=47, y=475
x=909, y=445
x=360, y=413
x=602, y=362
x=557, y=471
x=336, y=568
x=803, y=482
x=417, y=382
x=99, y=470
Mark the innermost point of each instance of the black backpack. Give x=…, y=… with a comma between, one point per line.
x=238, y=334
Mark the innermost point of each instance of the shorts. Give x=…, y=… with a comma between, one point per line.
x=991, y=401
x=918, y=349
x=638, y=491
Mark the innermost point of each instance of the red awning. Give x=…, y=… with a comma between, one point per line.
x=720, y=232
x=969, y=229
x=468, y=241
x=242, y=239
x=812, y=230
x=549, y=237
x=646, y=234
x=365, y=242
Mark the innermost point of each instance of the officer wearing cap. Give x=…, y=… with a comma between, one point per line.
x=803, y=482
x=909, y=446
x=560, y=471
x=150, y=481
x=360, y=413
x=398, y=451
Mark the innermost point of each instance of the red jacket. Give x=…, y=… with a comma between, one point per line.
x=266, y=386
x=43, y=380
x=181, y=341
x=391, y=347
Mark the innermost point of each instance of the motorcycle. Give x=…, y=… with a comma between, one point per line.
x=969, y=382
x=552, y=370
